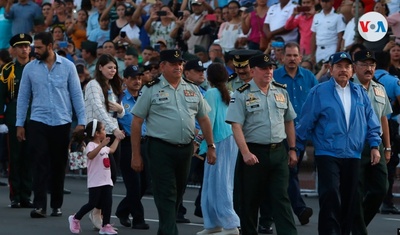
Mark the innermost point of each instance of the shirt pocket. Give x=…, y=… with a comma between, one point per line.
x=281, y=108
x=59, y=82
x=253, y=107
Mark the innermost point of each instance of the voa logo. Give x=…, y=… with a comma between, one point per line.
x=372, y=26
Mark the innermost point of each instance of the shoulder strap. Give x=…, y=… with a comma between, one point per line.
x=243, y=88
x=153, y=82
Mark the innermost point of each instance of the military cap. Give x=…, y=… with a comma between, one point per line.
x=261, y=61
x=89, y=45
x=132, y=51
x=131, y=71
x=198, y=48
x=364, y=55
x=241, y=57
x=188, y=56
x=339, y=56
x=197, y=2
x=21, y=38
x=171, y=56
x=194, y=64
x=149, y=65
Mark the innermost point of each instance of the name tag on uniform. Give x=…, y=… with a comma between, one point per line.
x=379, y=92
x=280, y=98
x=189, y=93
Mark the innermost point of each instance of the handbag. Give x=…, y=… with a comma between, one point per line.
x=77, y=160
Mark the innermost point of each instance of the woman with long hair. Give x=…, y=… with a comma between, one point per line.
x=230, y=31
x=217, y=193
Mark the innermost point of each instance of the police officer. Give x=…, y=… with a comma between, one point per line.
x=242, y=69
x=135, y=182
x=20, y=173
x=262, y=117
x=170, y=105
x=371, y=191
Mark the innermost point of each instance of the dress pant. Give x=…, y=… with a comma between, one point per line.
x=337, y=187
x=169, y=170
x=48, y=146
x=267, y=179
x=135, y=183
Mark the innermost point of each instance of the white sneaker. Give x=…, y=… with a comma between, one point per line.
x=210, y=231
x=74, y=225
x=233, y=231
x=95, y=218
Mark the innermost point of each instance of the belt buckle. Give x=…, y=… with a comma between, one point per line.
x=274, y=146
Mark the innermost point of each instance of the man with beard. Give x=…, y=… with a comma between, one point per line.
x=20, y=170
x=373, y=178
x=51, y=85
x=338, y=118
x=242, y=68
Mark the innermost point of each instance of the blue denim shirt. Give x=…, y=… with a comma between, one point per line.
x=22, y=16
x=51, y=93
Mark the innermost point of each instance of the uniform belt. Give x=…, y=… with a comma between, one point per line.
x=168, y=143
x=143, y=139
x=267, y=146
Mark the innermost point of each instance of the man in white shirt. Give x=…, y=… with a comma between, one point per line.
x=350, y=31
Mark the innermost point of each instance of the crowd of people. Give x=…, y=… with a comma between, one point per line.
x=238, y=90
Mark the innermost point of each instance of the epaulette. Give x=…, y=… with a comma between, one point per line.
x=375, y=80
x=153, y=82
x=188, y=81
x=232, y=76
x=243, y=88
x=5, y=68
x=279, y=84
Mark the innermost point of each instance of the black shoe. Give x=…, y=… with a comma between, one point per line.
x=15, y=204
x=67, y=191
x=180, y=219
x=27, y=204
x=386, y=209
x=142, y=226
x=304, y=216
x=198, y=212
x=265, y=230
x=124, y=220
x=38, y=213
x=56, y=212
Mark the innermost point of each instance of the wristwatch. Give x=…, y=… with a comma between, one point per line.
x=387, y=149
x=293, y=149
x=211, y=146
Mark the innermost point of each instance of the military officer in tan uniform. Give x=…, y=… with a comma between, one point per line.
x=242, y=69
x=170, y=105
x=262, y=117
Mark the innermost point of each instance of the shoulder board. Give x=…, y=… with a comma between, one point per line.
x=232, y=76
x=243, y=88
x=376, y=80
x=279, y=84
x=153, y=82
x=188, y=81
x=8, y=65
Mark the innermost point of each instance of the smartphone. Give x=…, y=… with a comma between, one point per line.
x=392, y=37
x=303, y=9
x=157, y=47
x=63, y=44
x=180, y=14
x=161, y=13
x=249, y=9
x=211, y=17
x=122, y=34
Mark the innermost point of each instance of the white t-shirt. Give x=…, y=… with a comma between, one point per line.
x=277, y=17
x=349, y=33
x=98, y=171
x=327, y=28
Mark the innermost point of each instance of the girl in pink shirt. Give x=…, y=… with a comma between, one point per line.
x=98, y=176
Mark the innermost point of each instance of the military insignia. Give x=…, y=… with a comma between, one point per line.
x=343, y=55
x=176, y=54
x=189, y=93
x=279, y=84
x=126, y=106
x=266, y=58
x=379, y=92
x=251, y=97
x=232, y=76
x=244, y=87
x=21, y=35
x=232, y=100
x=368, y=55
x=280, y=98
x=237, y=57
x=152, y=82
x=140, y=93
x=200, y=64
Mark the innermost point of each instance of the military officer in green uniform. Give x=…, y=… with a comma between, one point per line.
x=373, y=184
x=170, y=105
x=20, y=173
x=242, y=69
x=262, y=116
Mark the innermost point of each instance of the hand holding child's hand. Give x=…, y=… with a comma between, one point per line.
x=105, y=141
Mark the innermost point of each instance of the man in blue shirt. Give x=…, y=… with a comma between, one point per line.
x=136, y=183
x=51, y=85
x=299, y=82
x=22, y=15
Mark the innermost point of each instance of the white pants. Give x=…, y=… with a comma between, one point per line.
x=323, y=52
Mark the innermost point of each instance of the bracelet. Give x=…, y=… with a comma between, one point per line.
x=293, y=149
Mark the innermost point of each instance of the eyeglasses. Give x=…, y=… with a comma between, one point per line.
x=366, y=65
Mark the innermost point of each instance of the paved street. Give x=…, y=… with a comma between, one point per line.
x=17, y=221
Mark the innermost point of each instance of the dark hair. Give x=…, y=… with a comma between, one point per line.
x=120, y=4
x=45, y=37
x=218, y=76
x=86, y=134
x=86, y=5
x=150, y=48
x=46, y=3
x=291, y=45
x=62, y=53
x=57, y=26
x=356, y=46
x=115, y=82
x=382, y=60
x=87, y=16
x=234, y=2
x=5, y=57
x=115, y=47
x=362, y=4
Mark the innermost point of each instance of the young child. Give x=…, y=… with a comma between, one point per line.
x=98, y=176
x=101, y=34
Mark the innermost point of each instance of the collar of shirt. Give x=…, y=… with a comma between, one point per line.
x=165, y=83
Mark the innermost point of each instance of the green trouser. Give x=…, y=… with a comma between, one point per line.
x=20, y=168
x=267, y=179
x=169, y=170
x=373, y=186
